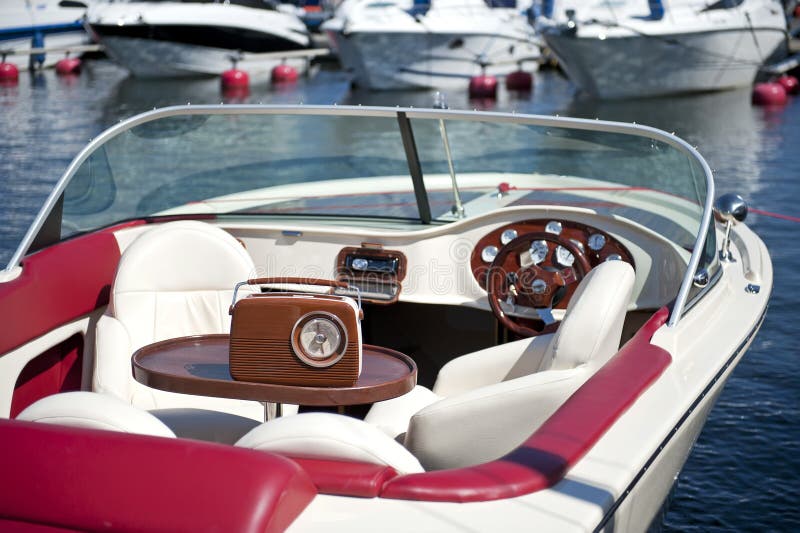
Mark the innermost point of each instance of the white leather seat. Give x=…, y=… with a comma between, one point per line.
x=94, y=411
x=174, y=280
x=330, y=436
x=485, y=404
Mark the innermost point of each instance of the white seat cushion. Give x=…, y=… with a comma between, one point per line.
x=392, y=416
x=95, y=411
x=174, y=280
x=495, y=398
x=330, y=436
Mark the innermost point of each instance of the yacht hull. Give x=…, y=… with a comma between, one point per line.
x=146, y=58
x=664, y=64
x=412, y=60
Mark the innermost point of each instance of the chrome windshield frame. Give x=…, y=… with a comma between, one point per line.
x=389, y=112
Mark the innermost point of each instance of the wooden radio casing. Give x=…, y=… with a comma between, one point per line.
x=265, y=345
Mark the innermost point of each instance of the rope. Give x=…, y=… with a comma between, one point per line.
x=776, y=215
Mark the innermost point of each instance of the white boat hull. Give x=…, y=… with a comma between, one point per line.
x=664, y=64
x=146, y=58
x=390, y=60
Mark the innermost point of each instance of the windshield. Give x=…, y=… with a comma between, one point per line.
x=356, y=164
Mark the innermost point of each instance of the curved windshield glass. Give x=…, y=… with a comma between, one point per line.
x=386, y=165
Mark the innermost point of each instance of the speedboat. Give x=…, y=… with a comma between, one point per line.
x=681, y=46
x=567, y=298
x=42, y=24
x=441, y=44
x=199, y=38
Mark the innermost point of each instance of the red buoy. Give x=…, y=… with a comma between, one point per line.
x=235, y=79
x=283, y=73
x=769, y=94
x=519, y=80
x=68, y=66
x=790, y=84
x=483, y=87
x=9, y=73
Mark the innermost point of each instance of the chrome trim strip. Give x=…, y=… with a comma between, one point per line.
x=388, y=112
x=610, y=513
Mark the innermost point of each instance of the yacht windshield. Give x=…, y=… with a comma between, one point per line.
x=382, y=164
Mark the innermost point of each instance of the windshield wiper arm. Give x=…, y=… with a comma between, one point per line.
x=458, y=208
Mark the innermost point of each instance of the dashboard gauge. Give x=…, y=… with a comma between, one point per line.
x=597, y=241
x=564, y=257
x=507, y=236
x=489, y=253
x=554, y=226
x=539, y=251
x=539, y=286
x=614, y=257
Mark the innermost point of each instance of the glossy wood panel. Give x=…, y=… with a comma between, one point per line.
x=200, y=365
x=261, y=340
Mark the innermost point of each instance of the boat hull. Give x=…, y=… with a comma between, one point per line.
x=146, y=58
x=664, y=64
x=412, y=60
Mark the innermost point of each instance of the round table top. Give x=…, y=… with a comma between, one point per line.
x=199, y=365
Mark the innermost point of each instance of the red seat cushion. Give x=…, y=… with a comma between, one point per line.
x=96, y=480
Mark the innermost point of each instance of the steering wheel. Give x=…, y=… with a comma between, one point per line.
x=531, y=285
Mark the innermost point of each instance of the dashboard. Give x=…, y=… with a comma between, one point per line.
x=445, y=264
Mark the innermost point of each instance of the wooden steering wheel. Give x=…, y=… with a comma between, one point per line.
x=531, y=285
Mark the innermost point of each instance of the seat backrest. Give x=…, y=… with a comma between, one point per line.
x=485, y=423
x=177, y=279
x=592, y=327
x=94, y=411
x=174, y=280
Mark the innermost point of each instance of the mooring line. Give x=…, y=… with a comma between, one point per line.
x=775, y=215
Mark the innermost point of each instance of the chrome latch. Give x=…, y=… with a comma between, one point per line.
x=752, y=288
x=701, y=278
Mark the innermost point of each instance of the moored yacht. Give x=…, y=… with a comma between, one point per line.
x=407, y=328
x=438, y=44
x=173, y=39
x=634, y=48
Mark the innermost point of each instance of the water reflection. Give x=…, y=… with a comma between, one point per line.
x=130, y=95
x=724, y=126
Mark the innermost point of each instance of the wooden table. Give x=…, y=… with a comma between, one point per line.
x=199, y=365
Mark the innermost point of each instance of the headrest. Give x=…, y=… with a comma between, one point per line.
x=592, y=325
x=94, y=411
x=183, y=256
x=330, y=436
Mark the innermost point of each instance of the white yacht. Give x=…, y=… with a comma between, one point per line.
x=635, y=48
x=405, y=45
x=175, y=39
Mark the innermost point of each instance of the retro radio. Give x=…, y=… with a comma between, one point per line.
x=293, y=338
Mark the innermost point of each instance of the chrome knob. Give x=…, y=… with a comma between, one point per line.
x=730, y=208
x=701, y=278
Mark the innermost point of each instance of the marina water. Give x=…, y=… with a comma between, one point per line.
x=744, y=472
